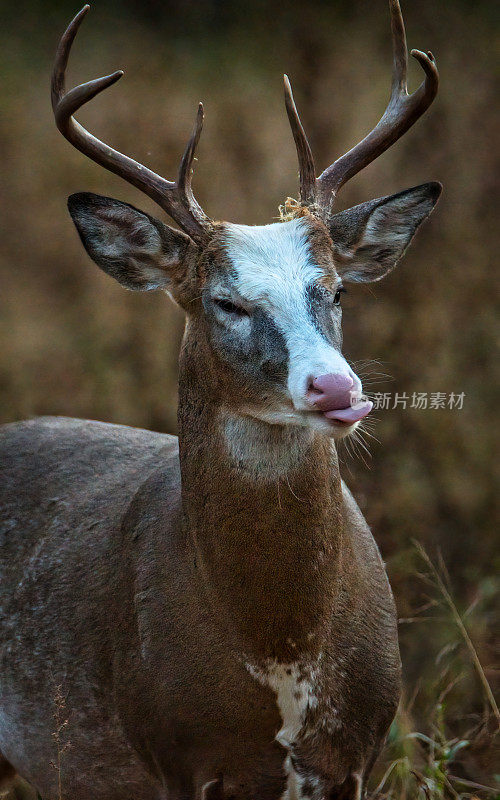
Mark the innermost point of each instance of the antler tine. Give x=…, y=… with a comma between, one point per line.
x=175, y=198
x=307, y=170
x=62, y=55
x=185, y=168
x=399, y=51
x=401, y=113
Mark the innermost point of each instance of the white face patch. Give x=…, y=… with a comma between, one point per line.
x=274, y=266
x=273, y=263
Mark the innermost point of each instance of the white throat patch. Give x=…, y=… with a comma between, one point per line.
x=263, y=452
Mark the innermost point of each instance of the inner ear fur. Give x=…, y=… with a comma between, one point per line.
x=369, y=239
x=136, y=249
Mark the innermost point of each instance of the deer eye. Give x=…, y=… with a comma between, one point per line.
x=231, y=308
x=336, y=299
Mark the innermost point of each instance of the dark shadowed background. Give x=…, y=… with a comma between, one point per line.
x=75, y=343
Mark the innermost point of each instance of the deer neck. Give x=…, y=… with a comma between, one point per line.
x=261, y=504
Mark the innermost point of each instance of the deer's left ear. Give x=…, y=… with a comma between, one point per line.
x=369, y=239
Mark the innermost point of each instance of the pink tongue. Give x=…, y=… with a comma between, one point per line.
x=353, y=414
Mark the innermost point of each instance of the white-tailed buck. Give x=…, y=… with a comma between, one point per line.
x=209, y=617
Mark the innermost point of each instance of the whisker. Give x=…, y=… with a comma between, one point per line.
x=345, y=455
x=368, y=362
x=356, y=448
x=374, y=377
x=291, y=490
x=358, y=438
x=364, y=446
x=367, y=433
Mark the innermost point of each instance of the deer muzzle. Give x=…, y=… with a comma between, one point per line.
x=339, y=397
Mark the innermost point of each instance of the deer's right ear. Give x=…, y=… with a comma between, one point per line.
x=369, y=239
x=139, y=251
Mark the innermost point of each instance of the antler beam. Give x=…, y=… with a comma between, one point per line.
x=401, y=113
x=176, y=198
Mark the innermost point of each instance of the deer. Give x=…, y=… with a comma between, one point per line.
x=208, y=617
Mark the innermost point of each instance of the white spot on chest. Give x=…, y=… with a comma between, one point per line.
x=298, y=692
x=295, y=785
x=295, y=695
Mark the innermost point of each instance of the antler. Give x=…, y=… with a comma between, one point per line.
x=401, y=113
x=176, y=198
x=307, y=170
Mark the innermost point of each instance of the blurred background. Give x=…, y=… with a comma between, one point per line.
x=75, y=343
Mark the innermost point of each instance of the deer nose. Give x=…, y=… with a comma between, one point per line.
x=332, y=391
x=338, y=395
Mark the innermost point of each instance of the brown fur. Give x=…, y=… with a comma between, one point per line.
x=7, y=773
x=155, y=585
x=149, y=588
x=144, y=605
